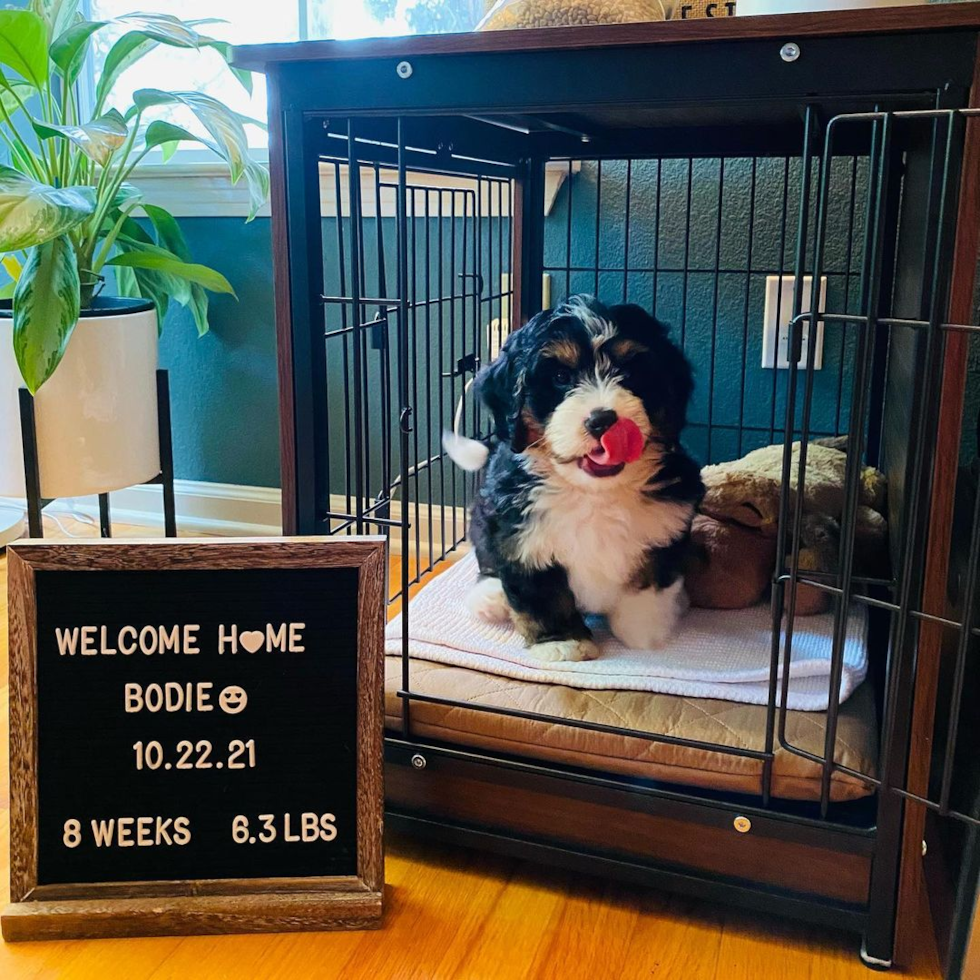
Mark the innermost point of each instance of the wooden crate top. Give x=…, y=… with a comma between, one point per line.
x=881, y=20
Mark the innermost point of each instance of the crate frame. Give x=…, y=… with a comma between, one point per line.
x=926, y=62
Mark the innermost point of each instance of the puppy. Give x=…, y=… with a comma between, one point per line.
x=588, y=498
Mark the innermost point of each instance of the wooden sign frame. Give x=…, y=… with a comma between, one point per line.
x=59, y=911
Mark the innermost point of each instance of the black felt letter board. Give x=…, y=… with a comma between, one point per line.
x=294, y=740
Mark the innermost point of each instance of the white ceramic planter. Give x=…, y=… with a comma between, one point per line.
x=750, y=7
x=96, y=415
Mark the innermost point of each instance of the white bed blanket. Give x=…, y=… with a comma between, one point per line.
x=721, y=654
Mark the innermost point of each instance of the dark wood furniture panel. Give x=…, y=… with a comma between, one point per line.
x=790, y=26
x=602, y=826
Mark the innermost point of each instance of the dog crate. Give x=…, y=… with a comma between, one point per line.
x=431, y=194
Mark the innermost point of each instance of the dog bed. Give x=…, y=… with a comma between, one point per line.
x=723, y=654
x=723, y=722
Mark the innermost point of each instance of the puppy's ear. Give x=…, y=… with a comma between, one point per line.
x=501, y=386
x=630, y=318
x=673, y=367
x=679, y=382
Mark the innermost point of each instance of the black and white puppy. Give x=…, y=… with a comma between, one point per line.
x=558, y=535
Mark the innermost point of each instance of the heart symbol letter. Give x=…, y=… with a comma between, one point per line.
x=251, y=640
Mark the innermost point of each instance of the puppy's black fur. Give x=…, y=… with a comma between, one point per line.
x=522, y=389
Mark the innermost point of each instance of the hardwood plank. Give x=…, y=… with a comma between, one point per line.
x=525, y=915
x=746, y=950
x=592, y=934
x=677, y=937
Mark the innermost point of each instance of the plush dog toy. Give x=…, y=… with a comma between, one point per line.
x=734, y=552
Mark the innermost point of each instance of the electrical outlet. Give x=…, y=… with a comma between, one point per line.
x=776, y=336
x=498, y=329
x=497, y=333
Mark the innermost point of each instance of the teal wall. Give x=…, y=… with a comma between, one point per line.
x=223, y=385
x=702, y=237
x=224, y=393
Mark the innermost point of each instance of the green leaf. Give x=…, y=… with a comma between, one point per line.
x=7, y=289
x=167, y=150
x=250, y=121
x=199, y=309
x=162, y=260
x=132, y=233
x=169, y=235
x=160, y=132
x=149, y=30
x=33, y=213
x=11, y=91
x=58, y=15
x=243, y=75
x=153, y=285
x=159, y=287
x=225, y=128
x=24, y=45
x=97, y=139
x=122, y=55
x=126, y=284
x=165, y=28
x=126, y=194
x=68, y=50
x=46, y=305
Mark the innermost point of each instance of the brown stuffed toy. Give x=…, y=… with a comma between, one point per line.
x=734, y=536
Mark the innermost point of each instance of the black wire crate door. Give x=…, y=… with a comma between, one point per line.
x=901, y=335
x=416, y=298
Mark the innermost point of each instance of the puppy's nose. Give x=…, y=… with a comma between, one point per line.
x=600, y=420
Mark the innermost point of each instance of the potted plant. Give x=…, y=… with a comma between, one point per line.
x=68, y=215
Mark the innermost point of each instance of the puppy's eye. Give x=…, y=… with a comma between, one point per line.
x=562, y=377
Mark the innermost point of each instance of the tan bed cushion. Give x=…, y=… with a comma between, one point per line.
x=724, y=722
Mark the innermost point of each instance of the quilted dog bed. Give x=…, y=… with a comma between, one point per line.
x=724, y=722
x=705, y=719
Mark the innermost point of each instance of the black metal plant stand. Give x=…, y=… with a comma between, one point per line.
x=32, y=477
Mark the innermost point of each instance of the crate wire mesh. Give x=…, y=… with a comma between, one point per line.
x=415, y=336
x=905, y=606
x=694, y=240
x=419, y=296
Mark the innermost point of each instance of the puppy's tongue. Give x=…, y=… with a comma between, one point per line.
x=620, y=443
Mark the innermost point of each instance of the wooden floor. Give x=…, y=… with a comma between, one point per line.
x=455, y=913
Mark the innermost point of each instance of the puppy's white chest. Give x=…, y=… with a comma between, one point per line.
x=599, y=539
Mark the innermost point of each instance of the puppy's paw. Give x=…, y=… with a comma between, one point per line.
x=645, y=636
x=553, y=651
x=486, y=601
x=647, y=620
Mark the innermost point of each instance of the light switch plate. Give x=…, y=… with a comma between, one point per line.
x=499, y=330
x=775, y=337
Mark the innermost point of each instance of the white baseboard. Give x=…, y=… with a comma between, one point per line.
x=227, y=509
x=234, y=510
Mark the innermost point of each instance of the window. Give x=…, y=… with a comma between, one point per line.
x=255, y=22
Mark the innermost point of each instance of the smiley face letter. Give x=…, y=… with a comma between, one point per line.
x=232, y=699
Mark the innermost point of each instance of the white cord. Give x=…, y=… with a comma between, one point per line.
x=458, y=415
x=72, y=512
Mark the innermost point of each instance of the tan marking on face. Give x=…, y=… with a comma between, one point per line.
x=564, y=350
x=622, y=349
